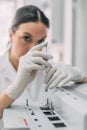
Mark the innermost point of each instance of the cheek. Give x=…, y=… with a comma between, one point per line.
x=20, y=49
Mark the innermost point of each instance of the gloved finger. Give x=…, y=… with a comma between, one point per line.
x=49, y=74
x=65, y=81
x=38, y=67
x=39, y=47
x=46, y=87
x=69, y=84
x=51, y=92
x=42, y=54
x=58, y=80
x=54, y=76
x=34, y=67
x=40, y=61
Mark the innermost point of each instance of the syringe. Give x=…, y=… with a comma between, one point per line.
x=46, y=52
x=52, y=108
x=46, y=46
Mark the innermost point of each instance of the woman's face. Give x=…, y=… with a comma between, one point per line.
x=26, y=36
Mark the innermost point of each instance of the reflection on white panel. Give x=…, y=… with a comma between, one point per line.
x=68, y=32
x=80, y=59
x=6, y=13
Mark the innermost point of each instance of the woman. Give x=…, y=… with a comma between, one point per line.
x=27, y=58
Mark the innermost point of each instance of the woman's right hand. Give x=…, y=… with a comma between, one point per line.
x=29, y=64
x=34, y=60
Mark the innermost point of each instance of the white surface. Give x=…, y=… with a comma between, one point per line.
x=70, y=106
x=18, y=114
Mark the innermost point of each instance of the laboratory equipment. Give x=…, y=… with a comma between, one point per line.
x=66, y=111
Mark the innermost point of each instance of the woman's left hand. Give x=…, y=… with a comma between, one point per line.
x=61, y=75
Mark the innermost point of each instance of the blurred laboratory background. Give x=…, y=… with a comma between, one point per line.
x=67, y=35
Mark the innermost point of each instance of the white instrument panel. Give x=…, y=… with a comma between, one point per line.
x=33, y=118
x=69, y=112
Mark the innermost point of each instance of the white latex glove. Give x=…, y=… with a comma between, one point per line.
x=29, y=64
x=62, y=75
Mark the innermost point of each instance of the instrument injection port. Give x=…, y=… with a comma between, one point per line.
x=54, y=118
x=49, y=113
x=59, y=125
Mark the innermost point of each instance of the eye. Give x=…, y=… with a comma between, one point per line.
x=27, y=38
x=41, y=41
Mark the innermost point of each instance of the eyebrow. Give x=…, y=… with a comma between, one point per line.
x=28, y=34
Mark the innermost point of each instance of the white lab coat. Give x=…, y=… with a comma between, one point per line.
x=34, y=92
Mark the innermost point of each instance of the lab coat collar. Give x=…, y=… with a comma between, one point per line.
x=10, y=72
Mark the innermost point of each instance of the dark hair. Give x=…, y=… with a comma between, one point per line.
x=28, y=13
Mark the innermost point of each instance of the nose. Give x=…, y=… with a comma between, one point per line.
x=31, y=45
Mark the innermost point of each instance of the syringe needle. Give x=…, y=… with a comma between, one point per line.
x=46, y=46
x=27, y=104
x=52, y=108
x=47, y=102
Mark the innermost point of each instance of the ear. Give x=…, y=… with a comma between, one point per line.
x=11, y=35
